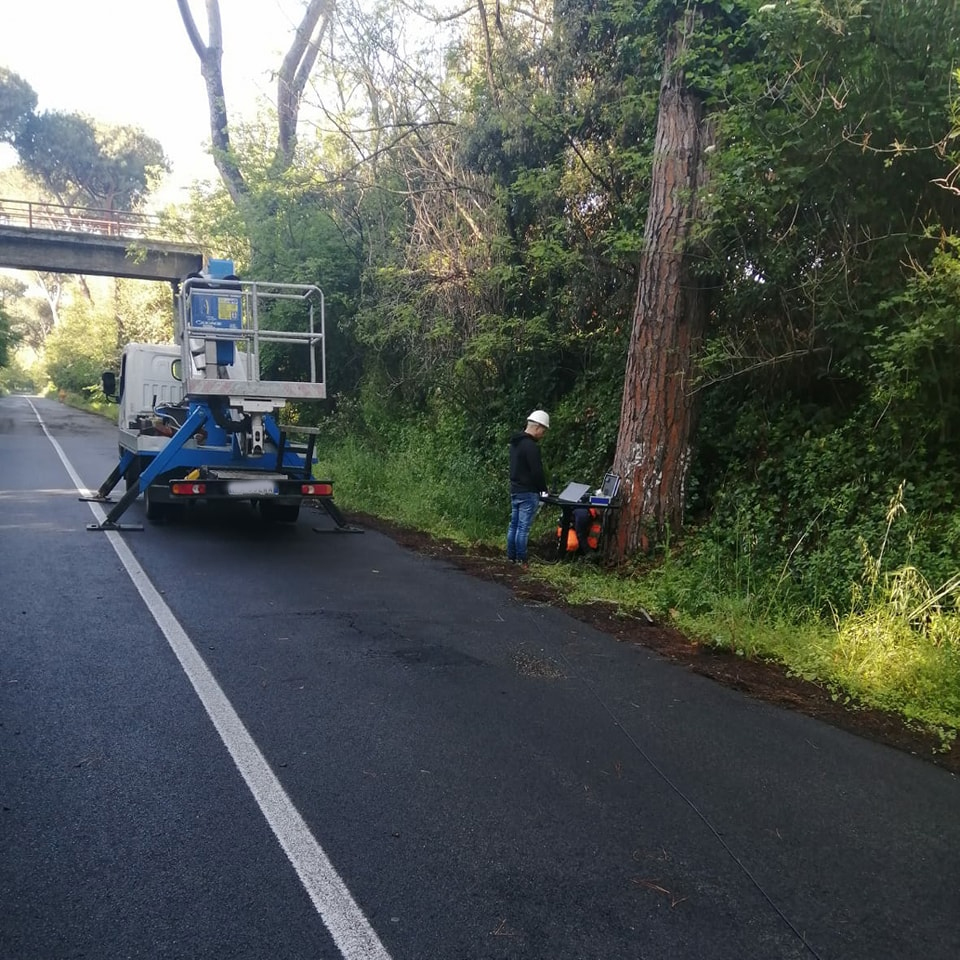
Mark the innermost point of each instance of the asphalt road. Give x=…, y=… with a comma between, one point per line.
x=222, y=739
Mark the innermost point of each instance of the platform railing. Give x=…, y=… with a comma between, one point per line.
x=241, y=313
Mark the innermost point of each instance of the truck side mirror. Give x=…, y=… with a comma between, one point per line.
x=108, y=381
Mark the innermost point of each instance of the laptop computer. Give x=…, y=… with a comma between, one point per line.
x=574, y=492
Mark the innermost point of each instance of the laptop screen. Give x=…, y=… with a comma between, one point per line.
x=611, y=484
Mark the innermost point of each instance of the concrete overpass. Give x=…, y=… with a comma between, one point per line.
x=44, y=237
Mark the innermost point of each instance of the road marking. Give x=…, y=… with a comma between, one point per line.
x=343, y=918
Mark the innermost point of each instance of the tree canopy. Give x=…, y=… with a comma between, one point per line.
x=79, y=161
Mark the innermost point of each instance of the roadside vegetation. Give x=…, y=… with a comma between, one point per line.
x=479, y=227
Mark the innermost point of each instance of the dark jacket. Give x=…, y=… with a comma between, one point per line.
x=526, y=467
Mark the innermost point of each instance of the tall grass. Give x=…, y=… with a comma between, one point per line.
x=411, y=478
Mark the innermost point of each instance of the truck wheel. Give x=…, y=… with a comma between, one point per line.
x=156, y=512
x=279, y=512
x=159, y=510
x=156, y=499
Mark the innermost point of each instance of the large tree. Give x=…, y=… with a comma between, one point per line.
x=828, y=119
x=657, y=417
x=85, y=163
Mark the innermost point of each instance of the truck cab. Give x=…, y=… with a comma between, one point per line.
x=147, y=381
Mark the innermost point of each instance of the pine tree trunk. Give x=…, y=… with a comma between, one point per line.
x=657, y=416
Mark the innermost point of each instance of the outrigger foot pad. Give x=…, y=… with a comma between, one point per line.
x=96, y=499
x=108, y=525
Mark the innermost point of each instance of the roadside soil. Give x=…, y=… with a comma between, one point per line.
x=764, y=680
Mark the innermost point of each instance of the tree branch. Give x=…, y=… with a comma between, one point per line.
x=294, y=73
x=211, y=56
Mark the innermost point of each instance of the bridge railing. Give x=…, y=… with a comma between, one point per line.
x=55, y=216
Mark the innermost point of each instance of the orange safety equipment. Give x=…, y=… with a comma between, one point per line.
x=573, y=541
x=596, y=528
x=593, y=533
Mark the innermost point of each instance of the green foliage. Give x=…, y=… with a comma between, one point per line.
x=93, y=330
x=8, y=338
x=914, y=352
x=17, y=376
x=801, y=492
x=29, y=316
x=141, y=310
x=822, y=184
x=80, y=348
x=421, y=472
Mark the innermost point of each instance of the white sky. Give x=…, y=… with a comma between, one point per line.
x=130, y=62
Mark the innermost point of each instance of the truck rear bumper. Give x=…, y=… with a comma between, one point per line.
x=279, y=488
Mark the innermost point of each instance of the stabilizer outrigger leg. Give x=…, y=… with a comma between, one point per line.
x=149, y=473
x=105, y=489
x=103, y=496
x=119, y=508
x=337, y=517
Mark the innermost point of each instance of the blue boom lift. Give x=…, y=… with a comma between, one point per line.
x=198, y=422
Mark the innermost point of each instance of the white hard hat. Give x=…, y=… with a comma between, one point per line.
x=541, y=417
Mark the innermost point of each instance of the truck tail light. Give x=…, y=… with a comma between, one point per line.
x=317, y=489
x=188, y=489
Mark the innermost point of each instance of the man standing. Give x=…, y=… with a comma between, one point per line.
x=527, y=482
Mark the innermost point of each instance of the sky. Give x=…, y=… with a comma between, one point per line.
x=129, y=62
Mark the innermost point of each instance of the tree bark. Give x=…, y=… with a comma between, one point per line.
x=658, y=412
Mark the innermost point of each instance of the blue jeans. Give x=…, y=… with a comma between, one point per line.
x=523, y=508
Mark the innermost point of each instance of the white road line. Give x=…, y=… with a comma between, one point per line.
x=350, y=929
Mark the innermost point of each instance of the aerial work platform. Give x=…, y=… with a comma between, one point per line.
x=224, y=324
